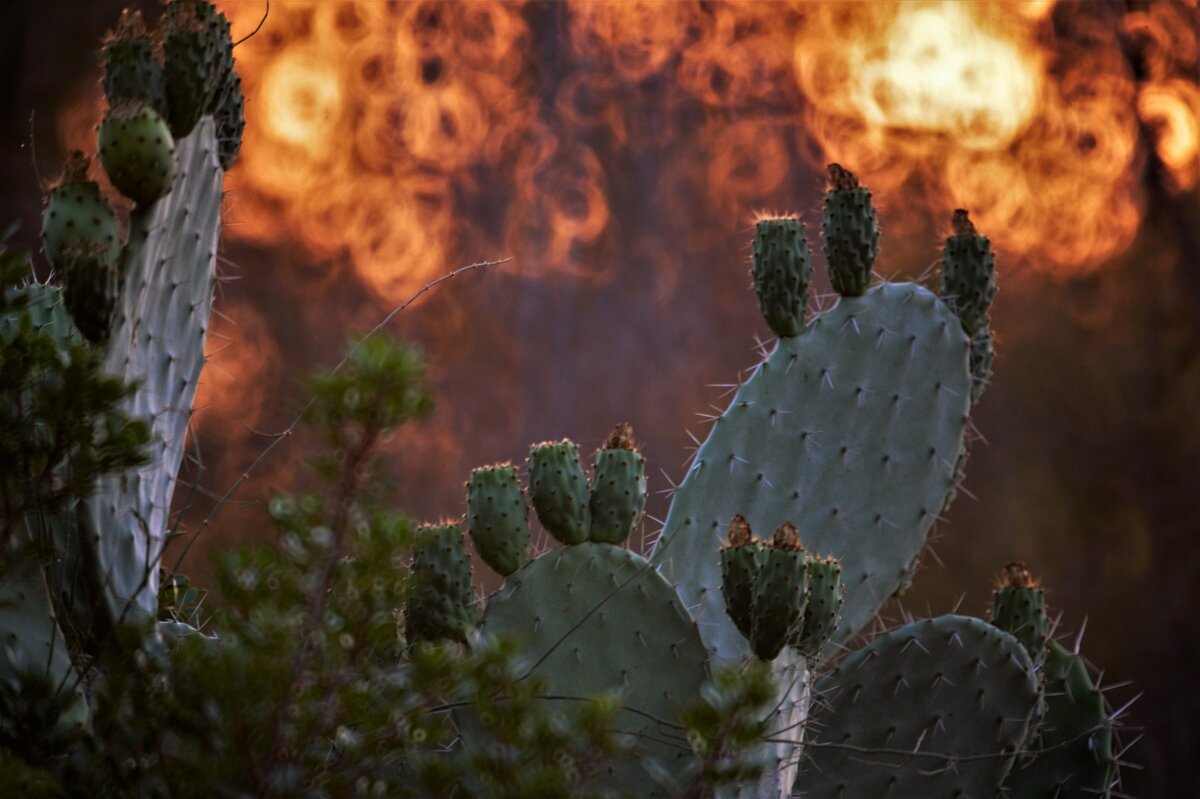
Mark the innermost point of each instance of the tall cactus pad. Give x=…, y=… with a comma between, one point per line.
x=618, y=489
x=137, y=151
x=1074, y=753
x=169, y=274
x=558, y=488
x=497, y=518
x=132, y=71
x=441, y=605
x=850, y=228
x=822, y=607
x=935, y=708
x=781, y=273
x=741, y=559
x=1019, y=608
x=197, y=57
x=780, y=590
x=852, y=429
x=596, y=618
x=968, y=273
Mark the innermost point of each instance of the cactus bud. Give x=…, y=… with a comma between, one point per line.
x=781, y=273
x=851, y=231
x=741, y=558
x=77, y=217
x=779, y=593
x=132, y=70
x=497, y=518
x=558, y=488
x=1019, y=607
x=968, y=273
x=198, y=58
x=618, y=488
x=441, y=605
x=822, y=607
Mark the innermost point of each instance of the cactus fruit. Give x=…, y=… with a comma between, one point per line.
x=90, y=287
x=593, y=619
x=851, y=231
x=968, y=273
x=939, y=707
x=442, y=603
x=558, y=488
x=76, y=214
x=618, y=489
x=1019, y=608
x=137, y=151
x=132, y=70
x=781, y=272
x=1073, y=752
x=197, y=57
x=741, y=559
x=779, y=593
x=497, y=518
x=822, y=607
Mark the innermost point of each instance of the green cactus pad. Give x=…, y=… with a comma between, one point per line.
x=968, y=273
x=558, y=488
x=822, y=608
x=1072, y=757
x=617, y=496
x=741, y=559
x=196, y=50
x=441, y=605
x=1019, y=608
x=497, y=518
x=132, y=70
x=781, y=273
x=89, y=289
x=852, y=429
x=137, y=151
x=851, y=232
x=935, y=708
x=77, y=215
x=780, y=590
x=596, y=618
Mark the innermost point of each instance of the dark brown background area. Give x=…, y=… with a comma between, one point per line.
x=1090, y=473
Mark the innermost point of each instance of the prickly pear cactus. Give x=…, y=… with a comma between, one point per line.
x=939, y=707
x=442, y=603
x=497, y=518
x=1019, y=608
x=617, y=496
x=558, y=488
x=137, y=151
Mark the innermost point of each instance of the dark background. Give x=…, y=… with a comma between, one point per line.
x=1092, y=457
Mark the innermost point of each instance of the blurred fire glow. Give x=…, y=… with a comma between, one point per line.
x=379, y=132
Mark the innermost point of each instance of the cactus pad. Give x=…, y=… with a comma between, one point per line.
x=822, y=608
x=197, y=56
x=89, y=289
x=780, y=590
x=781, y=273
x=558, y=488
x=132, y=70
x=497, y=518
x=851, y=231
x=935, y=708
x=968, y=273
x=596, y=618
x=442, y=602
x=1074, y=750
x=618, y=488
x=76, y=214
x=741, y=559
x=137, y=151
x=1019, y=608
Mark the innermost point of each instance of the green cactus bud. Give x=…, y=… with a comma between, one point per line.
x=741, y=559
x=442, y=603
x=77, y=216
x=558, y=488
x=90, y=288
x=231, y=121
x=618, y=489
x=781, y=273
x=137, y=151
x=968, y=274
x=1019, y=608
x=822, y=607
x=132, y=70
x=779, y=593
x=497, y=517
x=197, y=56
x=851, y=231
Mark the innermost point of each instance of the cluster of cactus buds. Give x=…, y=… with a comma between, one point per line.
x=776, y=593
